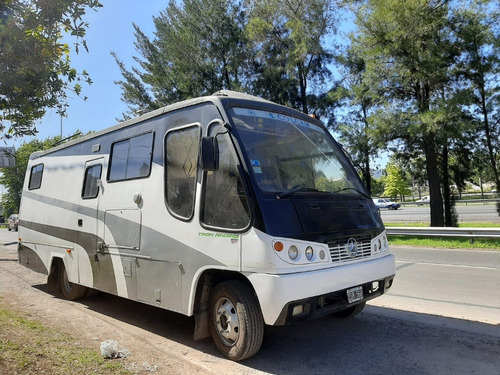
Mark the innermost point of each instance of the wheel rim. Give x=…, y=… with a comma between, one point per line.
x=226, y=322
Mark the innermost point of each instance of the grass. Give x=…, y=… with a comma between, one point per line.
x=448, y=243
x=461, y=225
x=27, y=346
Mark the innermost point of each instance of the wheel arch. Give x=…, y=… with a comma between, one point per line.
x=56, y=266
x=205, y=282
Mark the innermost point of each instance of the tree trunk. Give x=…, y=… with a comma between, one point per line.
x=303, y=90
x=446, y=188
x=431, y=165
x=487, y=131
x=367, y=175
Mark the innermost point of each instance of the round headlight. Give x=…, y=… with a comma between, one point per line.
x=309, y=252
x=322, y=254
x=293, y=252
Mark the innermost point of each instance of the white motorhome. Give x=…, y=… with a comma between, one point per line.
x=230, y=208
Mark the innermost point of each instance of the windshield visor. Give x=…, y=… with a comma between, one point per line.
x=287, y=154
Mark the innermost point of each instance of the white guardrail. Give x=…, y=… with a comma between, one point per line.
x=471, y=233
x=466, y=202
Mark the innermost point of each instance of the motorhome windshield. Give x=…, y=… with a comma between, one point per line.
x=288, y=154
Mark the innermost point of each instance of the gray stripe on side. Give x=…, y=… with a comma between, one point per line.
x=87, y=241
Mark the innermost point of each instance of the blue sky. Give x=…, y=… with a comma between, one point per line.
x=110, y=29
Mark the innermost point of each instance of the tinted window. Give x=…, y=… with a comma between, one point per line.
x=131, y=158
x=181, y=166
x=225, y=204
x=36, y=177
x=90, y=188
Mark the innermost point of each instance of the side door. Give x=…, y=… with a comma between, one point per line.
x=88, y=222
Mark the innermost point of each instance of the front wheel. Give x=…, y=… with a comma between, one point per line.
x=71, y=291
x=236, y=322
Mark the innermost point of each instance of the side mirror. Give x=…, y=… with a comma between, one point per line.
x=209, y=154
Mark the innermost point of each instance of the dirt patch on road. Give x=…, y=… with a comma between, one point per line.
x=159, y=341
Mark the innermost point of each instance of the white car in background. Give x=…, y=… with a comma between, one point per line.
x=383, y=203
x=424, y=200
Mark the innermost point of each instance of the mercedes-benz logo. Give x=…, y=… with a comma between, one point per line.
x=352, y=247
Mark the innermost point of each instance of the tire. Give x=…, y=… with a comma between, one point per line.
x=71, y=291
x=235, y=320
x=350, y=311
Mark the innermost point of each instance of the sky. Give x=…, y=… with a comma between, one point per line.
x=110, y=29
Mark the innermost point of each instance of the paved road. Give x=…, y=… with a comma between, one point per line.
x=413, y=214
x=441, y=317
x=461, y=284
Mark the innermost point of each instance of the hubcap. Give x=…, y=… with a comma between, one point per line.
x=227, y=322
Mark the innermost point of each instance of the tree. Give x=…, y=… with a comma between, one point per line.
x=395, y=184
x=478, y=35
x=288, y=37
x=35, y=69
x=13, y=178
x=354, y=122
x=199, y=48
x=408, y=56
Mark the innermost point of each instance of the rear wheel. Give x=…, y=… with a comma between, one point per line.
x=236, y=322
x=350, y=311
x=71, y=291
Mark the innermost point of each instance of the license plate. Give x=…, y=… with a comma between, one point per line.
x=355, y=294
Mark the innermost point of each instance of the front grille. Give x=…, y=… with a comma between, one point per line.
x=339, y=248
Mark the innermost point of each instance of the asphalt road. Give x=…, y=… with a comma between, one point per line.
x=415, y=214
x=442, y=316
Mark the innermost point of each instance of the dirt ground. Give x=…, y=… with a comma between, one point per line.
x=159, y=341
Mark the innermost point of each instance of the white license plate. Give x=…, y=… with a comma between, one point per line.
x=355, y=294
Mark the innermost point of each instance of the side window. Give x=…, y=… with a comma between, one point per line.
x=181, y=165
x=225, y=203
x=36, y=177
x=90, y=188
x=131, y=158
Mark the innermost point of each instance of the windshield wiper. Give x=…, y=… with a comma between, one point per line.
x=295, y=189
x=356, y=190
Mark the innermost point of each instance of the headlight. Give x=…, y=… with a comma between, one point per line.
x=293, y=252
x=309, y=252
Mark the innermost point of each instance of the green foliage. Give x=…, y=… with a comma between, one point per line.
x=199, y=48
x=291, y=61
x=271, y=49
x=395, y=184
x=35, y=69
x=13, y=178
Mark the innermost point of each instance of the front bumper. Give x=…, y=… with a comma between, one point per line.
x=325, y=289
x=315, y=307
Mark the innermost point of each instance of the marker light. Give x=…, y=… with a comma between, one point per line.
x=293, y=252
x=278, y=246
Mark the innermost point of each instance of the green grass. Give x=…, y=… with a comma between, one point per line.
x=440, y=242
x=461, y=225
x=448, y=243
x=27, y=346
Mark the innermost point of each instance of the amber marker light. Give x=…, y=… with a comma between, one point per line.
x=68, y=251
x=278, y=246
